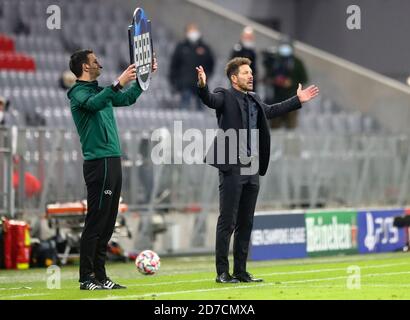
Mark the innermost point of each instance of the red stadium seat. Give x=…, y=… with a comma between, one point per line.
x=12, y=60
x=6, y=44
x=16, y=61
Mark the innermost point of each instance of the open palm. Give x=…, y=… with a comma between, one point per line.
x=307, y=94
x=201, y=76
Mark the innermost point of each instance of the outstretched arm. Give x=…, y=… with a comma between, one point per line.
x=129, y=96
x=291, y=104
x=91, y=101
x=212, y=100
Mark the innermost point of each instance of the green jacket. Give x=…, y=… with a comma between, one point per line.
x=93, y=115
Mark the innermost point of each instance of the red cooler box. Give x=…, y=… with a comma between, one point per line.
x=16, y=239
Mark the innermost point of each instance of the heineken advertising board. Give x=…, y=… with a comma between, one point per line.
x=331, y=232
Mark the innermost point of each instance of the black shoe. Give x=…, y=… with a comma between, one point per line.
x=110, y=285
x=246, y=277
x=91, y=284
x=225, y=277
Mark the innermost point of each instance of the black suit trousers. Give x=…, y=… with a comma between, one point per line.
x=103, y=178
x=237, y=195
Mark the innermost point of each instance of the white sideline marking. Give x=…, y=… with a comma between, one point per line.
x=306, y=261
x=370, y=285
x=272, y=274
x=240, y=286
x=334, y=269
x=245, y=286
x=24, y=295
x=71, y=275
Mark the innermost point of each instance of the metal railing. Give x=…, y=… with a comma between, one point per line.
x=7, y=193
x=305, y=171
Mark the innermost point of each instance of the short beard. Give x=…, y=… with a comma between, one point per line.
x=246, y=88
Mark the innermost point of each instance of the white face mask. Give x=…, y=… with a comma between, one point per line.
x=1, y=116
x=193, y=36
x=248, y=44
x=285, y=50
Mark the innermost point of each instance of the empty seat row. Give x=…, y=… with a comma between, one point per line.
x=33, y=43
x=47, y=79
x=16, y=61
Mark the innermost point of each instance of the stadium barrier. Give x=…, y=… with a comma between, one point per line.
x=311, y=233
x=306, y=171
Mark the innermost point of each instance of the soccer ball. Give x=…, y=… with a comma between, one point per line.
x=147, y=262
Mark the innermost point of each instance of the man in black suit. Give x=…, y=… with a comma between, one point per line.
x=240, y=110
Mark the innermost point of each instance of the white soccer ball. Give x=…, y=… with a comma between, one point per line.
x=147, y=262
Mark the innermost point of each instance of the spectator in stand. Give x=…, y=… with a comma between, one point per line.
x=188, y=54
x=21, y=27
x=246, y=49
x=284, y=72
x=4, y=114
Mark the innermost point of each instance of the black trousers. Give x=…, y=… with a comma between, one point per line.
x=237, y=201
x=103, y=178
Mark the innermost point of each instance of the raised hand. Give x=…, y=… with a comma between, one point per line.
x=154, y=64
x=307, y=94
x=128, y=75
x=201, y=76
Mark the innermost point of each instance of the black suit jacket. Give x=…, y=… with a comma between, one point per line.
x=229, y=115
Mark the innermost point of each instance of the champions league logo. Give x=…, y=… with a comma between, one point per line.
x=141, y=51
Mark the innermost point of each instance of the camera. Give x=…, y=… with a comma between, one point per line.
x=401, y=221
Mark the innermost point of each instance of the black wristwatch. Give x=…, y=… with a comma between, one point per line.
x=116, y=86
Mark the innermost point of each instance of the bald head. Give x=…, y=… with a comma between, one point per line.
x=248, y=37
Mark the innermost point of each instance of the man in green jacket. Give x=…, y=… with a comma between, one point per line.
x=92, y=111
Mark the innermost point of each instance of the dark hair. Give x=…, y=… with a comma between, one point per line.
x=76, y=61
x=232, y=67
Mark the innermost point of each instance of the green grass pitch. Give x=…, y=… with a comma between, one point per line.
x=382, y=276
